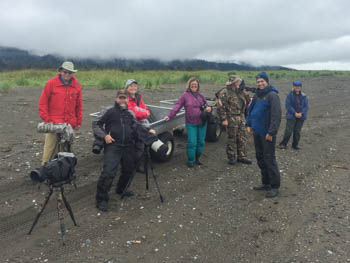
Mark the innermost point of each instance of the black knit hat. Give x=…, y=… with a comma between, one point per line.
x=263, y=75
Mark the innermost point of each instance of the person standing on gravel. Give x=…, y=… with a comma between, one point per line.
x=141, y=112
x=263, y=121
x=120, y=131
x=231, y=107
x=297, y=106
x=193, y=102
x=61, y=101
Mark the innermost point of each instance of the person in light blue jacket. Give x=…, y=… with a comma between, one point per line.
x=297, y=106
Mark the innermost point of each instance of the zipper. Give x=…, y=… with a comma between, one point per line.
x=123, y=128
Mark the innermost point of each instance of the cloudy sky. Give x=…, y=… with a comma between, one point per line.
x=312, y=34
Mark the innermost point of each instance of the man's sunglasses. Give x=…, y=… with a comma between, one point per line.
x=67, y=72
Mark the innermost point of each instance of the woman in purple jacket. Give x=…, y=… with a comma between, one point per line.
x=193, y=102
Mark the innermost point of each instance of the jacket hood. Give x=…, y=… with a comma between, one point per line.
x=271, y=88
x=301, y=93
x=266, y=90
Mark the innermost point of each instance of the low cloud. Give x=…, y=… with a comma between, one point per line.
x=270, y=32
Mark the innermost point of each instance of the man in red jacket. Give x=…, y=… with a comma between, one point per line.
x=60, y=102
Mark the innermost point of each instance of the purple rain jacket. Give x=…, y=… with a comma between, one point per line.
x=192, y=102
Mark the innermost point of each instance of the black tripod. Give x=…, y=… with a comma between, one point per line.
x=147, y=160
x=60, y=198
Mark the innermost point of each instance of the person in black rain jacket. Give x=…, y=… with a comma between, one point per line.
x=120, y=131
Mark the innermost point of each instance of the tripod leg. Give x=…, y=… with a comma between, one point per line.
x=56, y=147
x=131, y=178
x=47, y=198
x=61, y=214
x=156, y=182
x=68, y=207
x=128, y=185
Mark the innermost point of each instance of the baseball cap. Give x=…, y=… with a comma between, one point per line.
x=232, y=79
x=297, y=83
x=129, y=82
x=122, y=93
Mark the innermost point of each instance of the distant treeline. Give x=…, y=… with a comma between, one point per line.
x=15, y=59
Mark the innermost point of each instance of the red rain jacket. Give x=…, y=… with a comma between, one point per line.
x=140, y=110
x=61, y=104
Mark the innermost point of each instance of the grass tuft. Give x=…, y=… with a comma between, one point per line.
x=4, y=87
x=152, y=79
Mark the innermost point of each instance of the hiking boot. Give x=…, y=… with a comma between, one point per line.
x=282, y=146
x=126, y=194
x=232, y=161
x=273, y=192
x=263, y=187
x=102, y=205
x=190, y=165
x=198, y=162
x=296, y=148
x=244, y=160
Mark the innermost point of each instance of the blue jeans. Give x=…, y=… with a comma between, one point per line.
x=195, y=140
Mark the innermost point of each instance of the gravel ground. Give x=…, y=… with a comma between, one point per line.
x=210, y=213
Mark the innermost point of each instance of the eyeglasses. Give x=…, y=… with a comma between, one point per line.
x=122, y=98
x=67, y=72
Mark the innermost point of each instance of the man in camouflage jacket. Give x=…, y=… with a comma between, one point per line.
x=231, y=107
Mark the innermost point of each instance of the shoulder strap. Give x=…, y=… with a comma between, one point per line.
x=200, y=95
x=138, y=99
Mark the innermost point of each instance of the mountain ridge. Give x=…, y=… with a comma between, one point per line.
x=15, y=59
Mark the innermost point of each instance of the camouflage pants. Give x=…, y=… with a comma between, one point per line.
x=236, y=138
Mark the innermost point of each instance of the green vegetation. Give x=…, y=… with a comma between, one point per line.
x=149, y=79
x=4, y=87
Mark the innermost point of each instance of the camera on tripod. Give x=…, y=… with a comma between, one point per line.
x=56, y=172
x=61, y=169
x=146, y=138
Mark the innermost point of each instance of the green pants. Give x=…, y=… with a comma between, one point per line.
x=195, y=140
x=292, y=127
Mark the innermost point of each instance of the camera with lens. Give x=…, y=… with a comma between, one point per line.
x=159, y=147
x=56, y=172
x=204, y=106
x=205, y=116
x=65, y=131
x=242, y=87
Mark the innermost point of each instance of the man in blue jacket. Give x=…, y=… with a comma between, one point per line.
x=263, y=121
x=297, y=106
